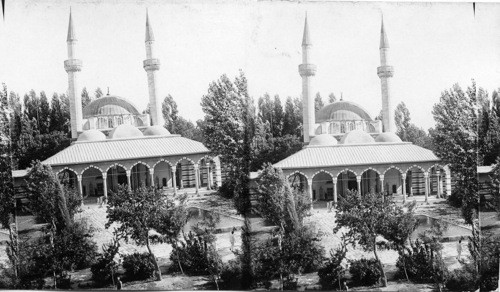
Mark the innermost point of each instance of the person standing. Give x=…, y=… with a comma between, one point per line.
x=231, y=239
x=459, y=248
x=118, y=283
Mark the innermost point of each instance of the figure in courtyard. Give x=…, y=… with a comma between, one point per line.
x=231, y=239
x=459, y=248
x=118, y=283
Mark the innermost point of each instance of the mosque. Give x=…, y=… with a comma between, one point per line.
x=113, y=143
x=345, y=149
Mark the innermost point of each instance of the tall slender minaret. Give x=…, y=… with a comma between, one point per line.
x=307, y=71
x=385, y=72
x=151, y=65
x=73, y=66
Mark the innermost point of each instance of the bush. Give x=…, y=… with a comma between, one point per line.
x=192, y=254
x=418, y=265
x=75, y=248
x=365, y=272
x=138, y=266
x=332, y=274
x=231, y=275
x=461, y=280
x=105, y=267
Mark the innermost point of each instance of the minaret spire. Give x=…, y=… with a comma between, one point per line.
x=72, y=67
x=385, y=73
x=307, y=71
x=151, y=65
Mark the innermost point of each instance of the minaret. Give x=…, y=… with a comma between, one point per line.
x=151, y=65
x=73, y=66
x=385, y=72
x=307, y=71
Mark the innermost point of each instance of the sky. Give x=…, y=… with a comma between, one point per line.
x=432, y=47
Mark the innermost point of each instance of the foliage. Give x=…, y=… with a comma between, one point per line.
x=408, y=131
x=332, y=274
x=231, y=275
x=369, y=216
x=274, y=149
x=292, y=117
x=138, y=266
x=278, y=202
x=7, y=203
x=494, y=185
x=49, y=201
x=141, y=211
x=74, y=247
x=455, y=140
x=318, y=102
x=192, y=253
x=365, y=272
x=105, y=267
x=300, y=252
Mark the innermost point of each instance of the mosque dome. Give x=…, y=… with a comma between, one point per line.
x=109, y=105
x=388, y=137
x=323, y=140
x=125, y=131
x=357, y=137
x=342, y=111
x=91, y=135
x=156, y=131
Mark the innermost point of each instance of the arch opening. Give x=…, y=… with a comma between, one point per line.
x=346, y=181
x=92, y=183
x=139, y=176
x=116, y=176
x=322, y=186
x=370, y=182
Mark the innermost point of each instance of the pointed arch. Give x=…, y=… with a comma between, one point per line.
x=115, y=165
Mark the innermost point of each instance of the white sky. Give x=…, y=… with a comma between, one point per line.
x=433, y=46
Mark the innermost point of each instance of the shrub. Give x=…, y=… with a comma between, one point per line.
x=461, y=280
x=105, y=267
x=75, y=248
x=417, y=265
x=192, y=254
x=332, y=274
x=365, y=272
x=231, y=275
x=138, y=266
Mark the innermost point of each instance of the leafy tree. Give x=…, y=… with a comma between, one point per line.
x=332, y=274
x=455, y=140
x=488, y=128
x=85, y=97
x=318, y=102
x=292, y=118
x=170, y=113
x=408, y=131
x=98, y=93
x=49, y=201
x=57, y=119
x=370, y=216
x=332, y=98
x=139, y=212
x=6, y=186
x=44, y=116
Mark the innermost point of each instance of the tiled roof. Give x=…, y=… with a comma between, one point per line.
x=124, y=149
x=367, y=154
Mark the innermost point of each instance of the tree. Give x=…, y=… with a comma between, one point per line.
x=170, y=113
x=332, y=98
x=455, y=140
x=292, y=118
x=85, y=97
x=318, y=102
x=139, y=212
x=408, y=131
x=57, y=117
x=7, y=203
x=44, y=116
x=98, y=93
x=368, y=216
x=488, y=128
x=49, y=201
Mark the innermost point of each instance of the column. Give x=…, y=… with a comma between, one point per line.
x=439, y=185
x=448, y=184
x=152, y=173
x=80, y=189
x=105, y=185
x=310, y=190
x=381, y=177
x=209, y=176
x=218, y=174
x=196, y=177
x=426, y=176
x=404, y=187
x=335, y=191
x=174, y=179
x=129, y=185
x=358, y=180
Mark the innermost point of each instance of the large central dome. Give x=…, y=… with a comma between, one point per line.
x=342, y=111
x=109, y=105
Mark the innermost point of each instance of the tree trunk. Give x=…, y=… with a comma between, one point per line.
x=384, y=278
x=404, y=264
x=157, y=267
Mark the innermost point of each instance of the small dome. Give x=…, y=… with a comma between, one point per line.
x=342, y=111
x=156, y=131
x=388, y=137
x=125, y=131
x=323, y=140
x=357, y=137
x=91, y=135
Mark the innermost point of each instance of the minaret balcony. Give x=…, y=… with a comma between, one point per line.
x=385, y=71
x=307, y=69
x=73, y=65
x=151, y=64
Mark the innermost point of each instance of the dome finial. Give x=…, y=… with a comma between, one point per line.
x=108, y=91
x=341, y=96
